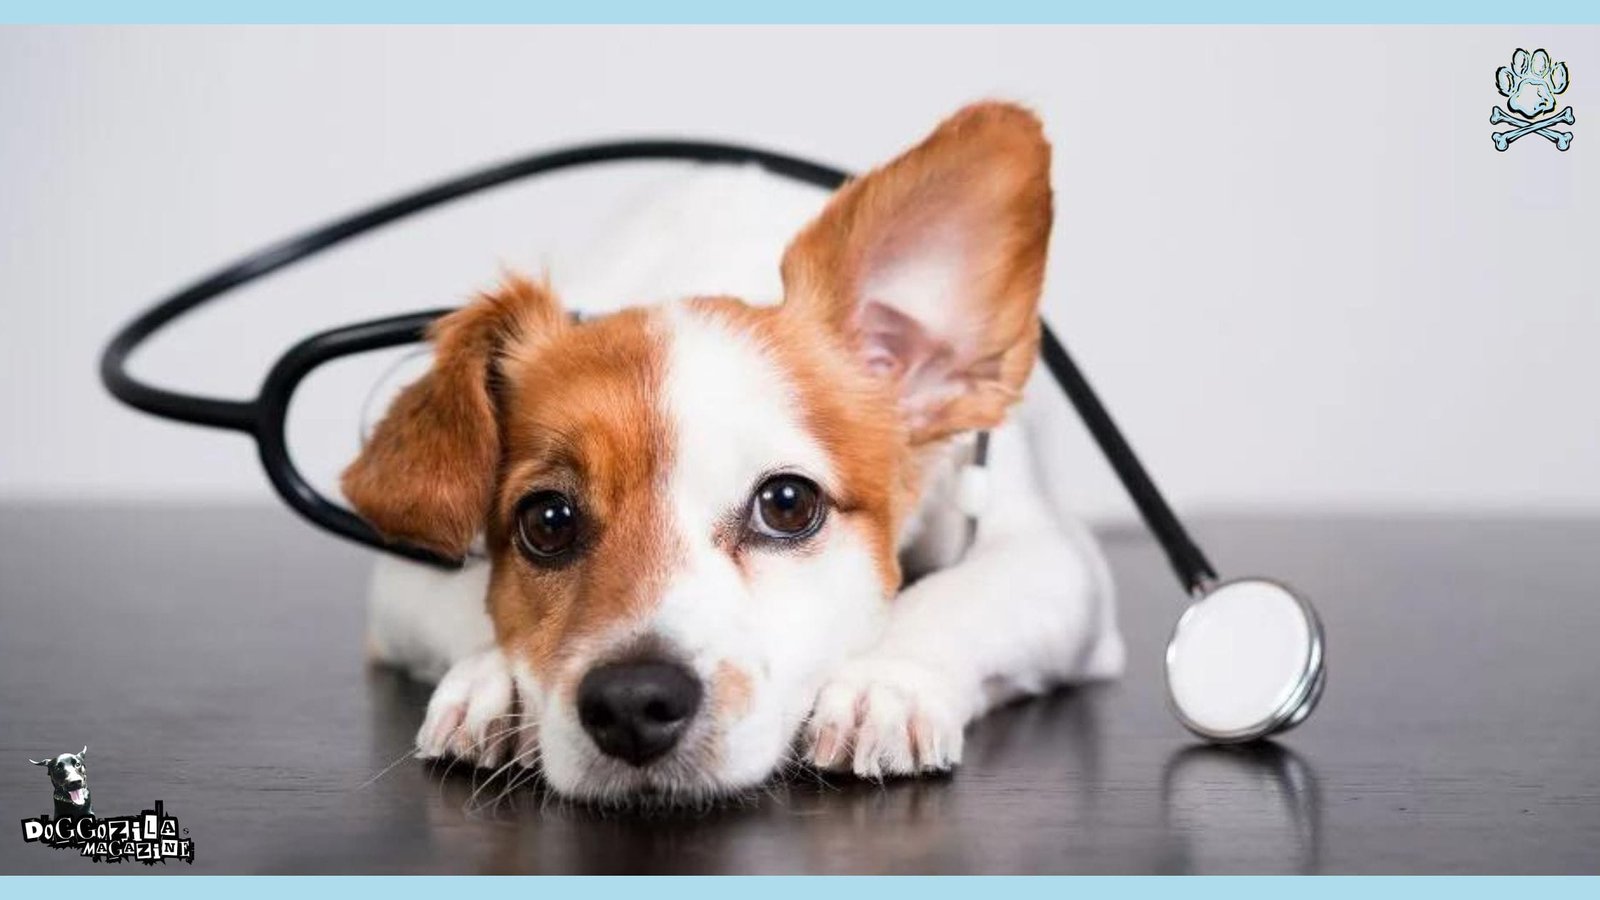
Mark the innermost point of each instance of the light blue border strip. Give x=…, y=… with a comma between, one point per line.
x=811, y=11
x=800, y=888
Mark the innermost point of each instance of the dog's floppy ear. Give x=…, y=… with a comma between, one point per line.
x=931, y=267
x=428, y=472
x=40, y=762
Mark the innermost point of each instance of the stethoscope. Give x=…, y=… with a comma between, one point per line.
x=1245, y=660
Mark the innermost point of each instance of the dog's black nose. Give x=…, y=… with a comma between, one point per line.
x=637, y=711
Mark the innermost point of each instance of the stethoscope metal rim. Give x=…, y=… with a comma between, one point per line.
x=1295, y=707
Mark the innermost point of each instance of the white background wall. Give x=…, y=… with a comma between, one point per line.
x=1290, y=257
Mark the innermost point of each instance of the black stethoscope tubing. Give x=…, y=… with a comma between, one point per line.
x=264, y=417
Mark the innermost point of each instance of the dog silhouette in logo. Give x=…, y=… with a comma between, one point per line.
x=69, y=776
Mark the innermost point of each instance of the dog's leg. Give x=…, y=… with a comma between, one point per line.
x=433, y=625
x=424, y=620
x=1026, y=609
x=475, y=716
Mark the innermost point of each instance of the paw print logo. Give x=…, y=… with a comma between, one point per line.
x=1530, y=85
x=1531, y=82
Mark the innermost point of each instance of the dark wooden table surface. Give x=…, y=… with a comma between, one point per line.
x=211, y=659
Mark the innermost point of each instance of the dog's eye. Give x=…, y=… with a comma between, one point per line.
x=787, y=506
x=547, y=525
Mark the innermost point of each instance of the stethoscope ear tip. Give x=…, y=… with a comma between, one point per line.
x=1246, y=661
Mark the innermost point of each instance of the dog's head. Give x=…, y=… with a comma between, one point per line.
x=694, y=509
x=69, y=776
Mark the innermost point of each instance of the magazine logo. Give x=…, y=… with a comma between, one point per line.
x=150, y=837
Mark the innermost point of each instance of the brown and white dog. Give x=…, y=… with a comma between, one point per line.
x=723, y=537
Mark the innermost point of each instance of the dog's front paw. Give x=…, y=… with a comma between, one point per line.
x=473, y=715
x=886, y=717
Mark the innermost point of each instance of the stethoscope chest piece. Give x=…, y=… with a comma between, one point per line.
x=1245, y=661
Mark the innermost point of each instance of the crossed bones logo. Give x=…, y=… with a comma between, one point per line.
x=1530, y=85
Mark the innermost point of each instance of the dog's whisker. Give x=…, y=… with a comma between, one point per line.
x=517, y=781
x=515, y=760
x=508, y=731
x=526, y=757
x=408, y=753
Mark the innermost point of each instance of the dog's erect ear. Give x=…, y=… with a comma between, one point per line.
x=931, y=266
x=428, y=472
x=84, y=752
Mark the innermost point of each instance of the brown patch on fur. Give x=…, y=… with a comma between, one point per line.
x=519, y=400
x=731, y=691
x=582, y=418
x=428, y=472
x=986, y=170
x=851, y=414
x=982, y=176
